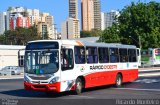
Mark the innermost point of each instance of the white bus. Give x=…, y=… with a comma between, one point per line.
x=65, y=65
x=150, y=57
x=11, y=55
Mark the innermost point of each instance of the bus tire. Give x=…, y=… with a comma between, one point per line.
x=118, y=80
x=79, y=86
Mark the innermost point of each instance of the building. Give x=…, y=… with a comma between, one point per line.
x=23, y=17
x=43, y=29
x=73, y=9
x=64, y=30
x=70, y=29
x=110, y=18
x=17, y=20
x=73, y=28
x=3, y=22
x=97, y=14
x=8, y=52
x=35, y=14
x=102, y=21
x=87, y=13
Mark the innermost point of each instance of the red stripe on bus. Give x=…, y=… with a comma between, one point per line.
x=43, y=87
x=109, y=77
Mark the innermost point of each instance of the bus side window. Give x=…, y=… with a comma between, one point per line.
x=91, y=55
x=132, y=55
x=103, y=55
x=123, y=55
x=67, y=59
x=79, y=55
x=114, y=56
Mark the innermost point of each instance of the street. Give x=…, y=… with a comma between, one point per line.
x=143, y=88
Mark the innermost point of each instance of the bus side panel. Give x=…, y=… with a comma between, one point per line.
x=109, y=77
x=130, y=75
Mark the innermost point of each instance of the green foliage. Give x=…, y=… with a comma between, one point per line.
x=92, y=33
x=110, y=35
x=19, y=36
x=139, y=20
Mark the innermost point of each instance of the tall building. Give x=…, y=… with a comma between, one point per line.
x=3, y=24
x=17, y=20
x=102, y=21
x=87, y=12
x=70, y=29
x=110, y=18
x=23, y=17
x=73, y=9
x=35, y=14
x=43, y=29
x=17, y=17
x=64, y=30
x=97, y=14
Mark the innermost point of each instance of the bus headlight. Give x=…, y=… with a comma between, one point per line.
x=26, y=79
x=55, y=79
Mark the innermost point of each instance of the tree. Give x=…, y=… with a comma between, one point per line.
x=92, y=33
x=141, y=19
x=20, y=36
x=110, y=35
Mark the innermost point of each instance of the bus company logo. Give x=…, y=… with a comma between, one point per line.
x=102, y=67
x=82, y=69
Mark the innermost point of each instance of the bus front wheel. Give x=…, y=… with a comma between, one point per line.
x=118, y=80
x=79, y=86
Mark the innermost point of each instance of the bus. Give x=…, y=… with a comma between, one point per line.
x=150, y=57
x=73, y=65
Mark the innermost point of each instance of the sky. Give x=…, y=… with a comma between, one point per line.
x=59, y=8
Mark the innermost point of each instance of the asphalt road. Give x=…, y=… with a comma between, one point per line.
x=147, y=88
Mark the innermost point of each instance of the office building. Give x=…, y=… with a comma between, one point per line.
x=107, y=19
x=97, y=14
x=73, y=9
x=87, y=12
x=3, y=22
x=17, y=20
x=70, y=29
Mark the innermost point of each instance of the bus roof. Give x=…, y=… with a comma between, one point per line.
x=86, y=43
x=11, y=47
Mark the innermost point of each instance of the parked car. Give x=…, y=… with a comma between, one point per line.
x=13, y=70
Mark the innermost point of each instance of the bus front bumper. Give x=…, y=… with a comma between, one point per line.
x=42, y=87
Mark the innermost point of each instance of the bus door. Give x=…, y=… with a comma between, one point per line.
x=67, y=65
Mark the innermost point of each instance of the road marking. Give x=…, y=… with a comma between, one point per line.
x=81, y=96
x=149, y=70
x=147, y=81
x=148, y=74
x=156, y=90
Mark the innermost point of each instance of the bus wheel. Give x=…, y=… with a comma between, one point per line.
x=79, y=86
x=118, y=80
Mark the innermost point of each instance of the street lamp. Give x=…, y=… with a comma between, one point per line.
x=138, y=42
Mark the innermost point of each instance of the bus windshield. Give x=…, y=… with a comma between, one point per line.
x=41, y=61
